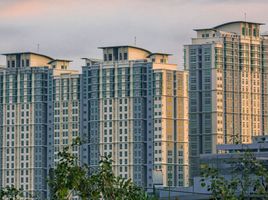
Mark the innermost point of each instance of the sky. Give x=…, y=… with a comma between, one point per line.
x=72, y=29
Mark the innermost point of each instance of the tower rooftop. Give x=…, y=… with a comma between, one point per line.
x=60, y=60
x=125, y=46
x=27, y=52
x=228, y=23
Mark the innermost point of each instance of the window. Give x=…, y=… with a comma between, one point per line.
x=110, y=57
x=125, y=56
x=207, y=58
x=254, y=32
x=27, y=62
x=243, y=31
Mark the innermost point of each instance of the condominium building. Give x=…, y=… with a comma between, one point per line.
x=64, y=109
x=24, y=122
x=134, y=108
x=264, y=78
x=227, y=87
x=29, y=91
x=133, y=105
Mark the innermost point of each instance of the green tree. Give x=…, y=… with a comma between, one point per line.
x=11, y=193
x=248, y=179
x=69, y=178
x=110, y=186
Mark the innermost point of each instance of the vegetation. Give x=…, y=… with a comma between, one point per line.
x=248, y=180
x=69, y=178
x=11, y=193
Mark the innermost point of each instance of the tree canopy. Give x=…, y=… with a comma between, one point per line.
x=11, y=193
x=69, y=179
x=248, y=179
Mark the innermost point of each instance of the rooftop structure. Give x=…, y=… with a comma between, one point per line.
x=226, y=153
x=26, y=59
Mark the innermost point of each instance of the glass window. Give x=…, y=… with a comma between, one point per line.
x=243, y=31
x=125, y=56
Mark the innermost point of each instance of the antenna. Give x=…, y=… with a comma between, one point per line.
x=38, y=47
x=245, y=14
x=135, y=41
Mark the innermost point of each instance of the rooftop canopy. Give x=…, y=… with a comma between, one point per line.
x=228, y=23
x=60, y=60
x=23, y=53
x=125, y=46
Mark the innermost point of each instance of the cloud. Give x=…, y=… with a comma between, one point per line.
x=75, y=28
x=233, y=2
x=21, y=8
x=12, y=9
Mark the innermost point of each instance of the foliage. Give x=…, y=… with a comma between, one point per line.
x=249, y=180
x=69, y=178
x=218, y=185
x=11, y=193
x=66, y=177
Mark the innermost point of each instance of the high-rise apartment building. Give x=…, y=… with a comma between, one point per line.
x=134, y=108
x=65, y=110
x=264, y=78
x=133, y=105
x=24, y=122
x=35, y=91
x=227, y=87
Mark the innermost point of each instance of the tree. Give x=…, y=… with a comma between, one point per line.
x=110, y=186
x=248, y=179
x=11, y=193
x=69, y=178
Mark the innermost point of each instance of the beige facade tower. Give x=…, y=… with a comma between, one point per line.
x=39, y=104
x=172, y=148
x=137, y=104
x=226, y=72
x=65, y=106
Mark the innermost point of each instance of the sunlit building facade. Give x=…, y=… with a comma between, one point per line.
x=24, y=122
x=31, y=86
x=133, y=105
x=227, y=87
x=134, y=108
x=65, y=106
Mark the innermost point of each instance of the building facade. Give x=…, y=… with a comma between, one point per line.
x=65, y=110
x=133, y=105
x=227, y=91
x=33, y=121
x=227, y=154
x=24, y=123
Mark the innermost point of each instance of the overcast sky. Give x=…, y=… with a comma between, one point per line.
x=71, y=29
